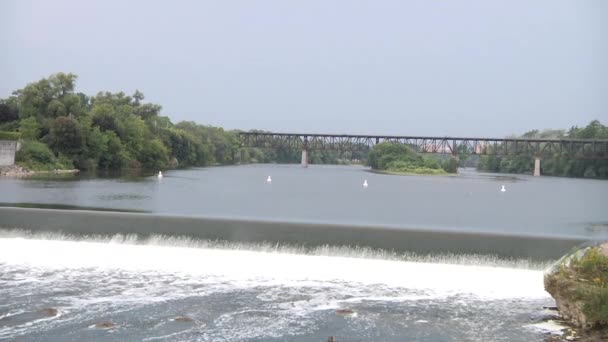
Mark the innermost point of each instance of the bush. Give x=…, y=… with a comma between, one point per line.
x=154, y=155
x=591, y=273
x=394, y=157
x=33, y=151
x=38, y=156
x=451, y=165
x=10, y=135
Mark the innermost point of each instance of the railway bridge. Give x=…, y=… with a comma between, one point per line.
x=539, y=148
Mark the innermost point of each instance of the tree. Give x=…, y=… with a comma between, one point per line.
x=9, y=111
x=29, y=128
x=154, y=155
x=66, y=136
x=138, y=96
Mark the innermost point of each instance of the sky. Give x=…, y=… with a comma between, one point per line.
x=427, y=67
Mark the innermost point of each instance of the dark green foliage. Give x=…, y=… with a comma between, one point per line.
x=66, y=136
x=154, y=155
x=9, y=111
x=10, y=135
x=35, y=151
x=38, y=156
x=450, y=165
x=394, y=157
x=557, y=164
x=107, y=131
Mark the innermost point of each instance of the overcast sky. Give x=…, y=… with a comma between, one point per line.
x=476, y=68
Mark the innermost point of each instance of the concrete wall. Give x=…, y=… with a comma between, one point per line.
x=301, y=234
x=8, y=148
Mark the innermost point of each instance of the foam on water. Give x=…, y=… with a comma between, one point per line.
x=247, y=268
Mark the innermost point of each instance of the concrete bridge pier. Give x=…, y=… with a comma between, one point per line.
x=537, y=166
x=304, y=158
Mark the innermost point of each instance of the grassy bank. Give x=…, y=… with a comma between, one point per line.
x=414, y=172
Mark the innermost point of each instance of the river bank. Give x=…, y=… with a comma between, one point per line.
x=17, y=171
x=429, y=172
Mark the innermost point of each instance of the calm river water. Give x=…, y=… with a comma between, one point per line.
x=172, y=289
x=469, y=201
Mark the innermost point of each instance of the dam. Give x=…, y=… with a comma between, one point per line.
x=219, y=254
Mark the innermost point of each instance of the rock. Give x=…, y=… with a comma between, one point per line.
x=183, y=319
x=579, y=284
x=346, y=312
x=50, y=312
x=105, y=325
x=331, y=339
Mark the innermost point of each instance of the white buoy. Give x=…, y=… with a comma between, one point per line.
x=160, y=174
x=503, y=189
x=365, y=183
x=269, y=180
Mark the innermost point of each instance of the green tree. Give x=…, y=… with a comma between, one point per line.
x=66, y=136
x=29, y=128
x=154, y=155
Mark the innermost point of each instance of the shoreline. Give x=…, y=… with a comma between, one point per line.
x=398, y=173
x=16, y=171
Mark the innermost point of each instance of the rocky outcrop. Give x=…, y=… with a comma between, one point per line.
x=579, y=284
x=14, y=171
x=18, y=171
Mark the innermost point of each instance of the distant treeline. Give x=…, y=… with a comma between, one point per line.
x=61, y=128
x=557, y=165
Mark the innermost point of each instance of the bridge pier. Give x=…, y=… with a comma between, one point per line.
x=537, y=166
x=304, y=158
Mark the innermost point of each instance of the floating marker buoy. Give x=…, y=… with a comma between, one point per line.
x=365, y=183
x=269, y=180
x=160, y=174
x=503, y=189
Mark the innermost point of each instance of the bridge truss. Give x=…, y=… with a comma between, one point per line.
x=576, y=148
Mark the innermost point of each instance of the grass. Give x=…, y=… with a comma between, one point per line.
x=415, y=171
x=586, y=278
x=10, y=135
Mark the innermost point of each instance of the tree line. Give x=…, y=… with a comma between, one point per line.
x=61, y=128
x=559, y=164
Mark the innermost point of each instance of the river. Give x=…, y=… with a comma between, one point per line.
x=334, y=194
x=245, y=292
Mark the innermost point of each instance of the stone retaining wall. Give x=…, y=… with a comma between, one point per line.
x=8, y=148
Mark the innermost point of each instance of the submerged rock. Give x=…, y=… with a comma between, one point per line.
x=50, y=312
x=579, y=284
x=105, y=325
x=346, y=312
x=183, y=319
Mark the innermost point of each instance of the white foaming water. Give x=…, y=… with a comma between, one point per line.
x=242, y=268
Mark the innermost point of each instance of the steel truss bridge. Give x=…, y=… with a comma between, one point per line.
x=575, y=148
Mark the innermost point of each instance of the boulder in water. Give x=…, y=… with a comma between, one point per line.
x=183, y=319
x=105, y=325
x=50, y=312
x=579, y=284
x=346, y=312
